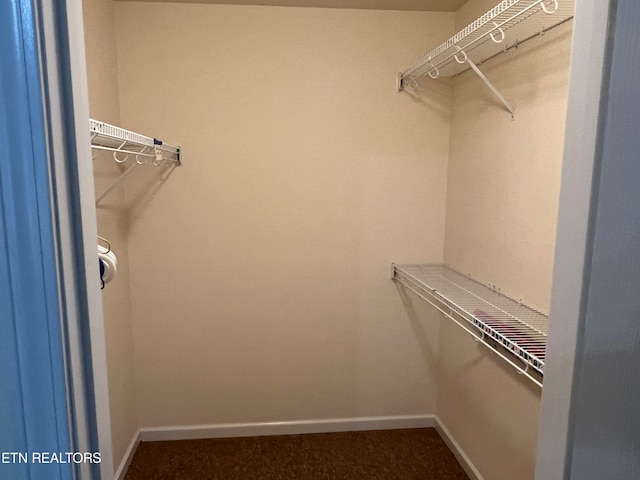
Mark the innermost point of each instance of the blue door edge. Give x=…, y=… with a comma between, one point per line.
x=59, y=384
x=34, y=397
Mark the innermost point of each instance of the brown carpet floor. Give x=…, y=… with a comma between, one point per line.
x=413, y=454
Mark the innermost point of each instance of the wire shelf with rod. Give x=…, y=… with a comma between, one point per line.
x=507, y=25
x=515, y=332
x=126, y=146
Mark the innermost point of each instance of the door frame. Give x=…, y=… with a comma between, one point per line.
x=589, y=43
x=590, y=424
x=61, y=37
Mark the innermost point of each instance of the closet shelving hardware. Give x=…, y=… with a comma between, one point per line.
x=511, y=330
x=126, y=145
x=507, y=25
x=106, y=242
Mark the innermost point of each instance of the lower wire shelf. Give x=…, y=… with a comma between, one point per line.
x=515, y=332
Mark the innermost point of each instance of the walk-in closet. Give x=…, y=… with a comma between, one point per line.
x=319, y=216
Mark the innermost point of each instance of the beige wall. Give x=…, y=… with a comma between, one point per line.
x=260, y=268
x=504, y=175
x=425, y=5
x=112, y=224
x=503, y=187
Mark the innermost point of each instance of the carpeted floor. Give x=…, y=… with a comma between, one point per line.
x=414, y=454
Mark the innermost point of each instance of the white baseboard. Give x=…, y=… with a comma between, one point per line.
x=128, y=456
x=227, y=430
x=456, y=449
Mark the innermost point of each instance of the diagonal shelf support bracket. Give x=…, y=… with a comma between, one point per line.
x=495, y=91
x=116, y=182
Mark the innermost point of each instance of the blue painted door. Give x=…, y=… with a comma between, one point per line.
x=35, y=432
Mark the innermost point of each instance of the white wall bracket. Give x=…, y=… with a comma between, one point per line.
x=399, y=82
x=495, y=91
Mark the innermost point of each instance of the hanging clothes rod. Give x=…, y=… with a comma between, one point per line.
x=126, y=145
x=516, y=20
x=518, y=42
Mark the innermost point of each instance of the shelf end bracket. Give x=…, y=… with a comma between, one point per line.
x=399, y=83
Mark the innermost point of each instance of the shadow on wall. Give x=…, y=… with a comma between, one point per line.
x=146, y=181
x=424, y=330
x=105, y=173
x=147, y=187
x=437, y=96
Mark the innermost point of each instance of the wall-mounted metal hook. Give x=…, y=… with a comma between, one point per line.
x=115, y=154
x=546, y=9
x=523, y=371
x=476, y=339
x=464, y=55
x=115, y=157
x=104, y=240
x=434, y=72
x=145, y=157
x=492, y=34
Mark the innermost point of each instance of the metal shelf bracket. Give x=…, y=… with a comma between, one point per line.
x=495, y=91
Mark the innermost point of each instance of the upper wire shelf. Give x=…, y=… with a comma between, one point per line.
x=512, y=330
x=125, y=145
x=508, y=24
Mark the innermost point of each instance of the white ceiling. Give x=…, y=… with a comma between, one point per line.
x=428, y=5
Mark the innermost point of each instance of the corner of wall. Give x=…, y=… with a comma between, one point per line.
x=102, y=77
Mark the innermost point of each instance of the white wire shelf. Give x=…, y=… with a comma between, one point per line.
x=126, y=146
x=512, y=330
x=505, y=26
x=515, y=21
